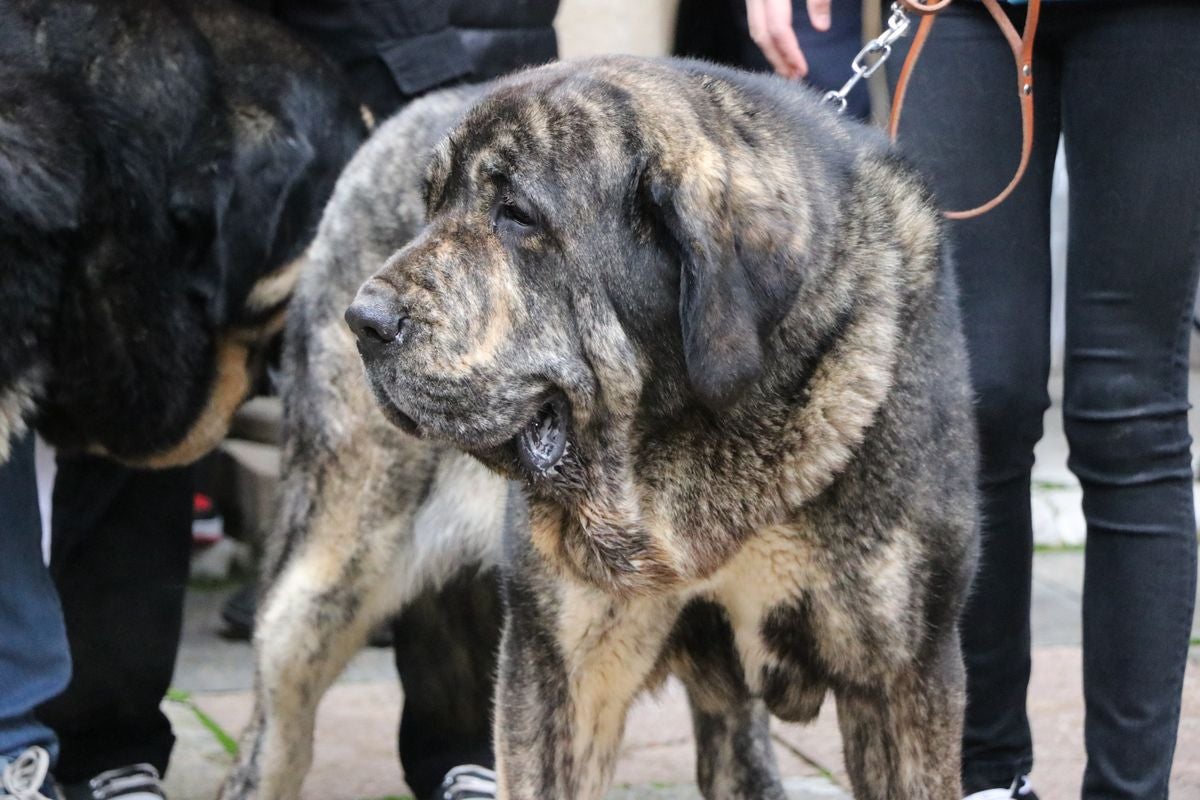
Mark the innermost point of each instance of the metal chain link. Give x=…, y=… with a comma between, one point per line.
x=881, y=45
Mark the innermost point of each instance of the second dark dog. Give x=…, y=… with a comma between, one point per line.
x=162, y=168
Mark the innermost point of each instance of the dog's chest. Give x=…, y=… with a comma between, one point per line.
x=803, y=612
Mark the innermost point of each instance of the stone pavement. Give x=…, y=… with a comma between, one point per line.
x=355, y=747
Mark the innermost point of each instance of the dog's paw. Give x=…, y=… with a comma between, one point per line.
x=241, y=783
x=468, y=782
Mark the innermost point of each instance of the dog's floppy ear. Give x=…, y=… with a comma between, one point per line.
x=267, y=214
x=739, y=271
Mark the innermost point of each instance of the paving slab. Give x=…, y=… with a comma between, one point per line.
x=355, y=751
x=355, y=744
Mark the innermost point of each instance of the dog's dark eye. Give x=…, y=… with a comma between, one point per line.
x=508, y=212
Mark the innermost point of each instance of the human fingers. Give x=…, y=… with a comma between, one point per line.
x=820, y=14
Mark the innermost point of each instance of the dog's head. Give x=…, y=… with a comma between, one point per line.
x=202, y=190
x=609, y=246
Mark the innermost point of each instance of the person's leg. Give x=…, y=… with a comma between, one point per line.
x=962, y=128
x=1134, y=249
x=34, y=661
x=121, y=545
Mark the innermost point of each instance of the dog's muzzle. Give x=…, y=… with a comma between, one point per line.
x=377, y=319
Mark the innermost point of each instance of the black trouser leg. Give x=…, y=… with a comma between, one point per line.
x=1134, y=161
x=445, y=646
x=121, y=544
x=1120, y=77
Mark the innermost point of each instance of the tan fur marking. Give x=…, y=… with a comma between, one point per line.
x=230, y=388
x=612, y=646
x=846, y=390
x=772, y=568
x=273, y=289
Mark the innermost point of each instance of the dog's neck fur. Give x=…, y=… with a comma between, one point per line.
x=829, y=369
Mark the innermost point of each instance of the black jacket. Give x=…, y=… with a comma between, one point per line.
x=395, y=50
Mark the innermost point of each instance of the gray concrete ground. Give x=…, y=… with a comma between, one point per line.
x=355, y=748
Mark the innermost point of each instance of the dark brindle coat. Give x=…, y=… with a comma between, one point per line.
x=712, y=331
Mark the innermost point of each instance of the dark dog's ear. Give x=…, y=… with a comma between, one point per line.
x=195, y=204
x=739, y=269
x=267, y=214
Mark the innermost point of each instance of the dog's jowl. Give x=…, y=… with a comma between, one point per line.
x=712, y=330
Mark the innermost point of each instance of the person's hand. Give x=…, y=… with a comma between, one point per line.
x=771, y=29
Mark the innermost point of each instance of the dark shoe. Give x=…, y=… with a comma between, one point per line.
x=238, y=613
x=134, y=782
x=27, y=777
x=468, y=782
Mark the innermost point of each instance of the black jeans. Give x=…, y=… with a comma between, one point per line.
x=1119, y=81
x=121, y=544
x=446, y=645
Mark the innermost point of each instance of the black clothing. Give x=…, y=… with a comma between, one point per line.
x=717, y=30
x=394, y=51
x=1118, y=81
x=121, y=543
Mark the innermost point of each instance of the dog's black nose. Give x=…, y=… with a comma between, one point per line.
x=375, y=318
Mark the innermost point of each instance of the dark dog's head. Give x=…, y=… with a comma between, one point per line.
x=609, y=247
x=190, y=158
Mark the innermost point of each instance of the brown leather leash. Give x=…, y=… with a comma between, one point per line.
x=1021, y=45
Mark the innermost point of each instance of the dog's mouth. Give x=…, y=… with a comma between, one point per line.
x=398, y=418
x=542, y=443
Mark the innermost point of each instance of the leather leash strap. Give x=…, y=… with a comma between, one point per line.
x=1021, y=45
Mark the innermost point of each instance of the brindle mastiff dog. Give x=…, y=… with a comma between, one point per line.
x=369, y=517
x=713, y=331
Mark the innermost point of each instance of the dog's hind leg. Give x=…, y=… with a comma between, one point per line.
x=734, y=755
x=902, y=738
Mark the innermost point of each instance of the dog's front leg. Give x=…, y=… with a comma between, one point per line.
x=332, y=587
x=571, y=660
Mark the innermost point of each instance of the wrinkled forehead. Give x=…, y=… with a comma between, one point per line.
x=563, y=129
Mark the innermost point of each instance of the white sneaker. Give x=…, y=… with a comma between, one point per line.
x=27, y=777
x=133, y=782
x=1021, y=789
x=468, y=782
